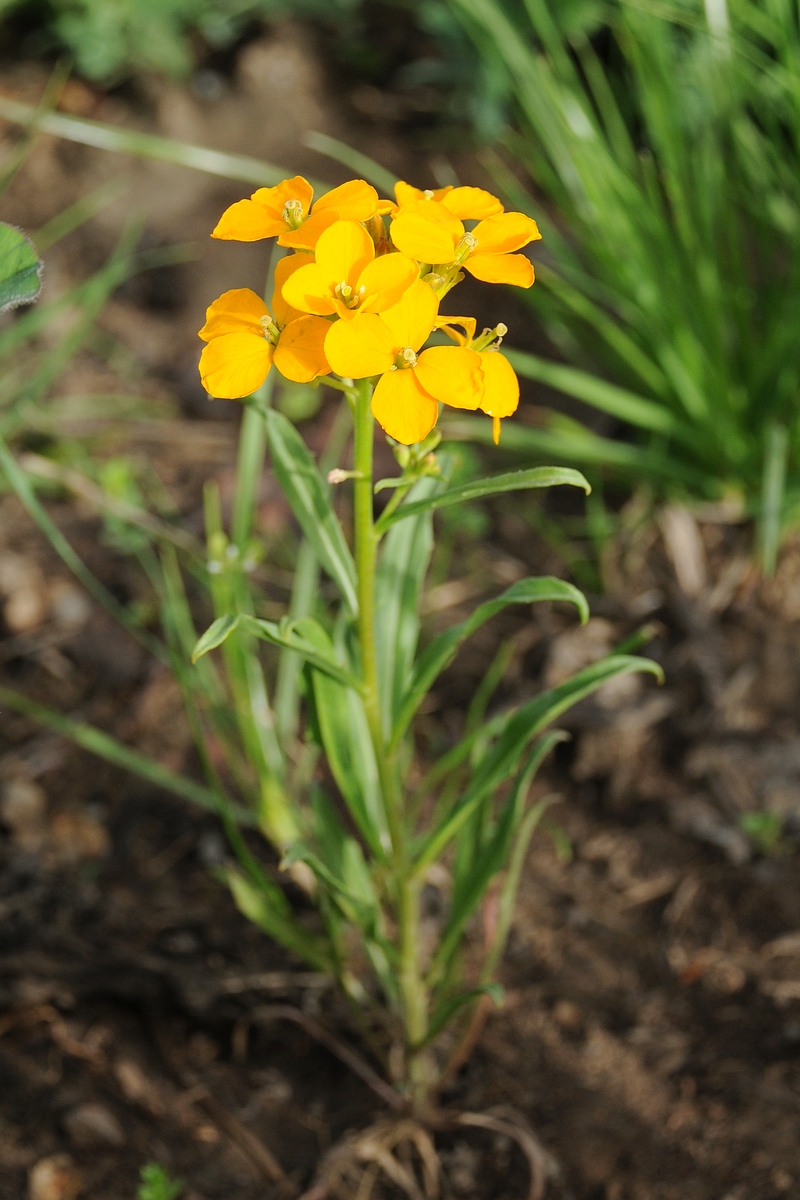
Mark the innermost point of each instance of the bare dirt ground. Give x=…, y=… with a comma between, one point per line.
x=651, y=1034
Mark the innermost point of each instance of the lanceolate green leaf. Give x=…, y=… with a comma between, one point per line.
x=344, y=733
x=512, y=481
x=447, y=1009
x=308, y=496
x=492, y=856
x=266, y=906
x=290, y=635
x=20, y=269
x=440, y=652
x=500, y=761
x=405, y=554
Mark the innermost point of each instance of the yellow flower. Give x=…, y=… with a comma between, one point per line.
x=431, y=233
x=405, y=400
x=465, y=203
x=500, y=384
x=286, y=212
x=347, y=278
x=244, y=339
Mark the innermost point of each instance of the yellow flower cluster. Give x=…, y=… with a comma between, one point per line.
x=360, y=297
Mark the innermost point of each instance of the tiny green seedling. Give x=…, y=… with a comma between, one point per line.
x=158, y=1184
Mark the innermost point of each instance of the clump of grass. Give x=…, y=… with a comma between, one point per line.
x=666, y=138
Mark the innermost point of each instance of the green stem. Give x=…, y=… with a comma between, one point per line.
x=412, y=987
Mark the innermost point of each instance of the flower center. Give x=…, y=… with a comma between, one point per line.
x=405, y=359
x=293, y=213
x=348, y=295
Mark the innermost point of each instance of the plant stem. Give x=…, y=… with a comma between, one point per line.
x=412, y=986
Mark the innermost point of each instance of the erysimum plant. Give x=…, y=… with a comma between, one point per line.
x=354, y=308
x=304, y=727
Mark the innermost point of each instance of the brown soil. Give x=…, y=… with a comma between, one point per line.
x=651, y=1032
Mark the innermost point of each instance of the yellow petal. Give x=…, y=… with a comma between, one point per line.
x=247, y=221
x=472, y=204
x=309, y=291
x=360, y=347
x=501, y=268
x=427, y=232
x=386, y=208
x=504, y=233
x=411, y=320
x=300, y=353
x=234, y=312
x=276, y=198
x=287, y=266
x=386, y=280
x=306, y=236
x=406, y=194
x=500, y=384
x=468, y=324
x=451, y=374
x=403, y=408
x=343, y=251
x=235, y=365
x=352, y=201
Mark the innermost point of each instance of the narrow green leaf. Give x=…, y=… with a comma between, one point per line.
x=441, y=651
x=308, y=497
x=500, y=761
x=344, y=732
x=776, y=453
x=215, y=635
x=21, y=485
x=492, y=856
x=267, y=907
x=447, y=1009
x=106, y=747
x=289, y=635
x=20, y=269
x=512, y=481
x=404, y=557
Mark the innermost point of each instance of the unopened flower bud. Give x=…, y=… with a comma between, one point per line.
x=337, y=475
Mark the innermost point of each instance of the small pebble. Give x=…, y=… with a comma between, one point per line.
x=25, y=609
x=54, y=1178
x=75, y=837
x=568, y=1015
x=23, y=808
x=91, y=1125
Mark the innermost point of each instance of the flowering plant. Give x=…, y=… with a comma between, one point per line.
x=353, y=307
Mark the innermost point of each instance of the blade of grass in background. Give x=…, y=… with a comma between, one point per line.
x=146, y=145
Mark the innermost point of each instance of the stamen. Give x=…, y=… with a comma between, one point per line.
x=344, y=292
x=406, y=358
x=428, y=194
x=271, y=330
x=293, y=213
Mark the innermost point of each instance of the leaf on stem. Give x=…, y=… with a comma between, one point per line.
x=440, y=652
x=511, y=481
x=309, y=500
x=301, y=636
x=501, y=759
